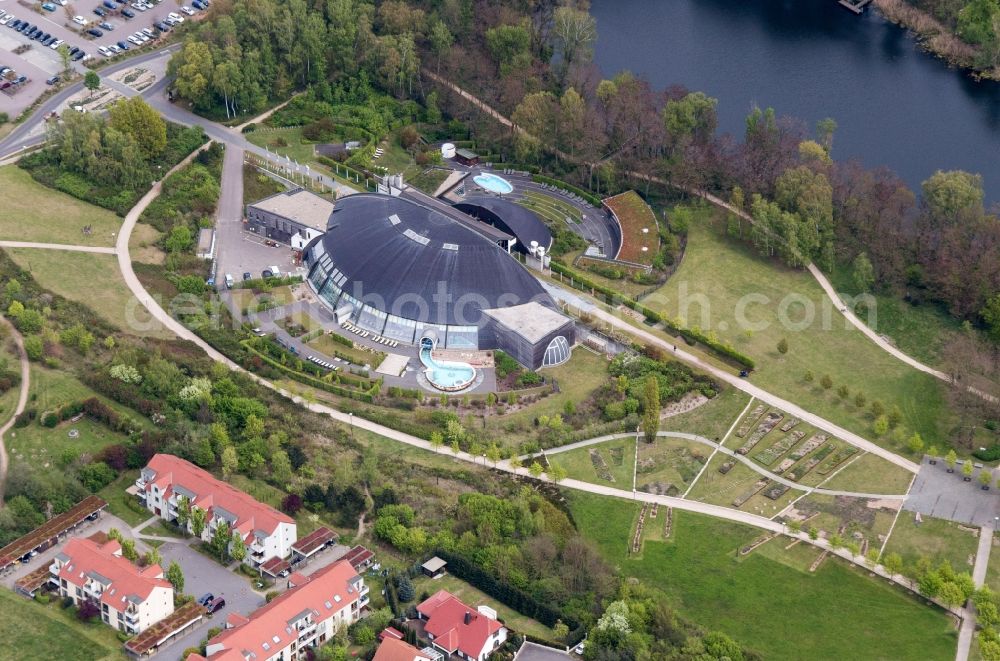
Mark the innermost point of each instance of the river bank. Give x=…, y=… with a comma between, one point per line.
x=935, y=37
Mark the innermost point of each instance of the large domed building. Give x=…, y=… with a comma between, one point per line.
x=416, y=274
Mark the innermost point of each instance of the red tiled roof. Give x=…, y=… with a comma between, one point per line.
x=396, y=650
x=357, y=556
x=275, y=566
x=314, y=541
x=211, y=493
x=127, y=580
x=446, y=621
x=270, y=624
x=391, y=632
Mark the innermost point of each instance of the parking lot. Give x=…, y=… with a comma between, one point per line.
x=203, y=574
x=240, y=252
x=34, y=66
x=63, y=24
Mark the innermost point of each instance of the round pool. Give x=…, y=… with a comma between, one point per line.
x=493, y=183
x=445, y=375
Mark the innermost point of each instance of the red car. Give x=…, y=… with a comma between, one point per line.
x=216, y=605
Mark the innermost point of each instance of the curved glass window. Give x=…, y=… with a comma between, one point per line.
x=557, y=351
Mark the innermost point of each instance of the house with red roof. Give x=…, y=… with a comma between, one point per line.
x=168, y=481
x=130, y=598
x=393, y=649
x=313, y=609
x=455, y=628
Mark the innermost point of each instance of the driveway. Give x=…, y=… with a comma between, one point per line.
x=535, y=652
x=201, y=575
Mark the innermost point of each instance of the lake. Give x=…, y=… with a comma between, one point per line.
x=895, y=104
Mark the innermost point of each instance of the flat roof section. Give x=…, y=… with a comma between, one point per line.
x=50, y=529
x=532, y=321
x=314, y=541
x=434, y=564
x=300, y=206
x=147, y=641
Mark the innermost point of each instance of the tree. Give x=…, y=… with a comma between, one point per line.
x=871, y=557
x=950, y=595
x=843, y=392
x=281, y=467
x=826, y=382
x=692, y=118
x=782, y=346
x=536, y=469
x=493, y=453
x=221, y=538
x=128, y=550
x=574, y=32
x=985, y=478
x=230, y=462
x=809, y=377
x=893, y=563
x=137, y=119
x=863, y=273
x=948, y=194
x=115, y=534
x=557, y=473
x=441, y=40
x=967, y=470
x=915, y=444
x=176, y=576
x=951, y=459
x=515, y=462
x=153, y=556
x=824, y=132
x=881, y=425
x=651, y=408
x=197, y=521
x=88, y=610
x=813, y=533
x=66, y=59
x=404, y=588
x=991, y=317
x=183, y=511
x=859, y=400
x=510, y=46
x=237, y=547
x=92, y=82
x=560, y=630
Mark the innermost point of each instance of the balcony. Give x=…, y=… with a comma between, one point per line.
x=132, y=617
x=306, y=632
x=140, y=484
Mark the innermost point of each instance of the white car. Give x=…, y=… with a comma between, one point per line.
x=138, y=6
x=134, y=40
x=187, y=10
x=61, y=2
x=175, y=16
x=6, y=19
x=114, y=49
x=56, y=44
x=79, y=20
x=103, y=50
x=149, y=32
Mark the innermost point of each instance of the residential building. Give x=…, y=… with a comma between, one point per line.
x=392, y=649
x=130, y=598
x=313, y=609
x=167, y=481
x=455, y=628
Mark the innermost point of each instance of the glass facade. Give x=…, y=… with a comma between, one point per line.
x=557, y=351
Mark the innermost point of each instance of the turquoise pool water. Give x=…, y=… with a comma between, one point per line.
x=445, y=375
x=491, y=182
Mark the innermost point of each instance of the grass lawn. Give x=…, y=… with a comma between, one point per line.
x=34, y=631
x=42, y=446
x=257, y=185
x=159, y=528
x=829, y=514
x=284, y=141
x=777, y=300
x=115, y=494
x=579, y=465
x=474, y=597
x=429, y=180
x=711, y=419
x=669, y=465
x=142, y=245
x=871, y=474
x=33, y=212
x=95, y=281
x=327, y=345
x=936, y=539
x=768, y=605
x=993, y=568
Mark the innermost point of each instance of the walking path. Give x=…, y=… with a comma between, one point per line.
x=735, y=455
x=22, y=401
x=968, y=629
x=57, y=246
x=737, y=382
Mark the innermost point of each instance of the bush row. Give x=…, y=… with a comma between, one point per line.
x=612, y=297
x=364, y=396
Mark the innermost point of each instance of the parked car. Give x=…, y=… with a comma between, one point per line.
x=122, y=45
x=161, y=26
x=149, y=32
x=135, y=41
x=56, y=44
x=94, y=32
x=79, y=20
x=79, y=56
x=216, y=605
x=197, y=4
x=206, y=598
x=247, y=275
x=177, y=17
x=276, y=271
x=266, y=273
x=138, y=6
x=52, y=81
x=20, y=80
x=229, y=281
x=74, y=50
x=103, y=50
x=48, y=6
x=49, y=41
x=6, y=19
x=110, y=5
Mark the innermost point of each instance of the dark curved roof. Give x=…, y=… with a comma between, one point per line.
x=511, y=217
x=395, y=251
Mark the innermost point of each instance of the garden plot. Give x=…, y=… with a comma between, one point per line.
x=750, y=420
x=668, y=465
x=769, y=422
x=865, y=522
x=605, y=463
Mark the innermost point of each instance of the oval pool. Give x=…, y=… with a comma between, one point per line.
x=446, y=375
x=493, y=183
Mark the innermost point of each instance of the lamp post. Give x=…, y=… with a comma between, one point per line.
x=350, y=417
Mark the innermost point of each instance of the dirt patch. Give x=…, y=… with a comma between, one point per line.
x=688, y=402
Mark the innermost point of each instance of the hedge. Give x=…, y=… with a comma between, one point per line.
x=312, y=381
x=509, y=595
x=276, y=351
x=260, y=283
x=990, y=454
x=590, y=197
x=611, y=297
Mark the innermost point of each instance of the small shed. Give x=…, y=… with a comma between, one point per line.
x=434, y=567
x=466, y=157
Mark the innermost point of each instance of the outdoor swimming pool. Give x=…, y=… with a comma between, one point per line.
x=448, y=376
x=493, y=183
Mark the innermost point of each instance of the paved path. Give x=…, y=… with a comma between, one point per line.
x=739, y=383
x=57, y=246
x=968, y=628
x=22, y=401
x=735, y=455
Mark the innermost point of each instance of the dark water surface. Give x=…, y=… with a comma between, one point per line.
x=895, y=105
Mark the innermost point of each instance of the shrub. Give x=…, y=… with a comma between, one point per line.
x=271, y=594
x=322, y=130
